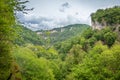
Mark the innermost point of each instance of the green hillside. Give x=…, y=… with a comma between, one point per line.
x=63, y=33
x=25, y=35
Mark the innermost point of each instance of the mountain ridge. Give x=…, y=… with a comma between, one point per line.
x=63, y=33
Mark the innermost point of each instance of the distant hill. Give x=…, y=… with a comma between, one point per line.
x=63, y=33
x=25, y=35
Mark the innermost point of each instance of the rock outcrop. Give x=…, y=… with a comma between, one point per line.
x=97, y=25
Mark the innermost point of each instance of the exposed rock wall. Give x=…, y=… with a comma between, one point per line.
x=98, y=25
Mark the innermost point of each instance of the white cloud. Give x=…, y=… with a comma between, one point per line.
x=43, y=22
x=48, y=14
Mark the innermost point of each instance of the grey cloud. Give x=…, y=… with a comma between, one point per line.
x=64, y=6
x=38, y=20
x=32, y=19
x=35, y=23
x=41, y=22
x=76, y=13
x=62, y=10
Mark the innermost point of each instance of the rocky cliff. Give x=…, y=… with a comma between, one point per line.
x=106, y=17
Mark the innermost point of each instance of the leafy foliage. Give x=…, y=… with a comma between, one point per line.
x=32, y=67
x=110, y=16
x=7, y=35
x=7, y=19
x=25, y=35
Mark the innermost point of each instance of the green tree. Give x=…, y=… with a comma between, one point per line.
x=77, y=53
x=88, y=33
x=110, y=16
x=32, y=67
x=7, y=20
x=109, y=38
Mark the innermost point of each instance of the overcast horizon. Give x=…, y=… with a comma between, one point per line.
x=48, y=14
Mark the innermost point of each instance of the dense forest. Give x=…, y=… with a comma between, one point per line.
x=82, y=54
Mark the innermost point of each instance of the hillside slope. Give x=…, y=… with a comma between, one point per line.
x=25, y=35
x=63, y=33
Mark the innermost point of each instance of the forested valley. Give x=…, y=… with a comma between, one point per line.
x=73, y=52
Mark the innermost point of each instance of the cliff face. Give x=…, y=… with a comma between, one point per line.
x=103, y=24
x=97, y=25
x=106, y=17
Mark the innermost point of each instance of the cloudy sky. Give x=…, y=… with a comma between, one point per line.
x=48, y=14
